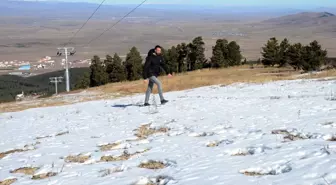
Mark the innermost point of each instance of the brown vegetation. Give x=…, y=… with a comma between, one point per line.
x=152, y=165
x=77, y=158
x=144, y=131
x=44, y=175
x=125, y=156
x=109, y=146
x=26, y=170
x=8, y=181
x=4, y=154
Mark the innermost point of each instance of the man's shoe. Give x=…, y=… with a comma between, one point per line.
x=146, y=104
x=164, y=101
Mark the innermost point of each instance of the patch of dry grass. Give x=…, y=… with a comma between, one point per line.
x=280, y=131
x=322, y=74
x=62, y=133
x=44, y=175
x=205, y=77
x=49, y=136
x=289, y=136
x=145, y=130
x=253, y=174
x=123, y=157
x=26, y=170
x=108, y=147
x=8, y=181
x=152, y=165
x=42, y=137
x=4, y=154
x=77, y=158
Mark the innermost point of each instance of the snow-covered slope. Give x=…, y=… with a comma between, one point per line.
x=274, y=133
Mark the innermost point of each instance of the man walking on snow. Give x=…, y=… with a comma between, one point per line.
x=152, y=69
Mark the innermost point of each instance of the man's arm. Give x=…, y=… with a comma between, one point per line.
x=146, y=68
x=164, y=65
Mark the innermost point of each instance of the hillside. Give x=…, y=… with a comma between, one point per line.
x=249, y=134
x=305, y=19
x=11, y=85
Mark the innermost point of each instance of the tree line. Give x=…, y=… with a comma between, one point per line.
x=301, y=57
x=180, y=58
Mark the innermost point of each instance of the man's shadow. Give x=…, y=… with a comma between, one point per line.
x=125, y=105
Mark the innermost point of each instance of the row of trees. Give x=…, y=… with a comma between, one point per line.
x=300, y=57
x=180, y=58
x=191, y=56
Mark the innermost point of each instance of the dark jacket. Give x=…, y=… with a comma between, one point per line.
x=153, y=65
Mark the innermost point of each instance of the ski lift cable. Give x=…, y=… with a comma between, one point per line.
x=85, y=23
x=116, y=22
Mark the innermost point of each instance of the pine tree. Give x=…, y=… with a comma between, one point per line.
x=234, y=54
x=220, y=54
x=217, y=59
x=314, y=56
x=115, y=69
x=108, y=65
x=98, y=74
x=283, y=52
x=294, y=56
x=83, y=82
x=270, y=52
x=183, y=51
x=133, y=65
x=171, y=59
x=196, y=57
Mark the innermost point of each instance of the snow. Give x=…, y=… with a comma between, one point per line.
x=218, y=135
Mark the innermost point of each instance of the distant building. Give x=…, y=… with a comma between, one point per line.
x=25, y=67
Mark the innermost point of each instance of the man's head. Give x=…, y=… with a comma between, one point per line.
x=157, y=50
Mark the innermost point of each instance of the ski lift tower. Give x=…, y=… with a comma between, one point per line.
x=56, y=80
x=66, y=51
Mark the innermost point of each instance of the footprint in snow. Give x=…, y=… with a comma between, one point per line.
x=201, y=134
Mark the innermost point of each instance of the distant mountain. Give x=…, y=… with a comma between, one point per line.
x=305, y=19
x=81, y=10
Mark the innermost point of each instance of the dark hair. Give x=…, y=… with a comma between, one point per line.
x=157, y=46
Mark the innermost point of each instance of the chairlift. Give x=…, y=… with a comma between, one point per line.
x=72, y=53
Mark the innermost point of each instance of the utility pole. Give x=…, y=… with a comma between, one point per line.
x=56, y=80
x=67, y=51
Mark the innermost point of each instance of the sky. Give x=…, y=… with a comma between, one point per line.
x=287, y=3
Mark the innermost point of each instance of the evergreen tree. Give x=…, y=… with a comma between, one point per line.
x=171, y=59
x=83, y=82
x=234, y=54
x=182, y=51
x=283, y=52
x=196, y=57
x=217, y=59
x=223, y=45
x=133, y=65
x=98, y=74
x=220, y=54
x=108, y=62
x=314, y=56
x=115, y=69
x=270, y=52
x=294, y=56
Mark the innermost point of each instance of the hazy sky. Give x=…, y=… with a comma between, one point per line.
x=287, y=3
